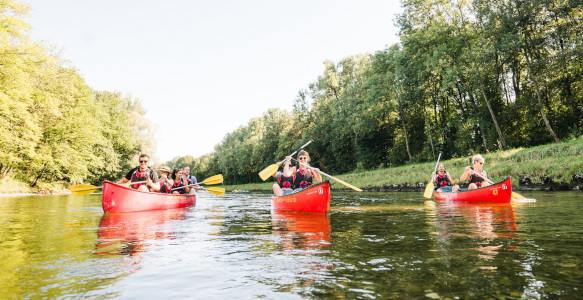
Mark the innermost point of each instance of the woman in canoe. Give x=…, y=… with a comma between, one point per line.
x=166, y=182
x=295, y=179
x=443, y=181
x=181, y=185
x=475, y=180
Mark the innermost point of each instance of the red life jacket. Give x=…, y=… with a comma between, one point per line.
x=285, y=182
x=442, y=180
x=165, y=187
x=302, y=179
x=139, y=176
x=476, y=179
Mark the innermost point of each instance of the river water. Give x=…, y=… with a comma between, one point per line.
x=370, y=246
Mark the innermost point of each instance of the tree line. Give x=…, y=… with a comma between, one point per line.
x=53, y=126
x=467, y=77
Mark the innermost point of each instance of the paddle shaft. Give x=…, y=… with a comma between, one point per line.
x=301, y=163
x=437, y=164
x=299, y=149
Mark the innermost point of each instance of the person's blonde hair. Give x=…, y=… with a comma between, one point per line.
x=478, y=158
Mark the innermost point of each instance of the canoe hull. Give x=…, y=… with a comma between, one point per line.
x=314, y=199
x=118, y=198
x=500, y=192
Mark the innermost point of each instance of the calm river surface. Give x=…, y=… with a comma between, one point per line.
x=370, y=246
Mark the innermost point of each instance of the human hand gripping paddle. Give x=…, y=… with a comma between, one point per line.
x=209, y=181
x=85, y=189
x=331, y=177
x=430, y=186
x=514, y=196
x=269, y=171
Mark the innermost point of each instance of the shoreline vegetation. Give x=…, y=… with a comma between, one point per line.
x=494, y=78
x=552, y=167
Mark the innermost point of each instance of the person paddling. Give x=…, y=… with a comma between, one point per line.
x=142, y=173
x=443, y=181
x=475, y=180
x=181, y=185
x=166, y=182
x=284, y=184
x=301, y=177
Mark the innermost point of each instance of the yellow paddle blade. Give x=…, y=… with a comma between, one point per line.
x=83, y=189
x=268, y=172
x=216, y=190
x=428, y=190
x=517, y=196
x=346, y=184
x=213, y=179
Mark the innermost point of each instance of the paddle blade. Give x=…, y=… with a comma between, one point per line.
x=216, y=190
x=346, y=184
x=213, y=179
x=516, y=196
x=428, y=190
x=268, y=172
x=83, y=189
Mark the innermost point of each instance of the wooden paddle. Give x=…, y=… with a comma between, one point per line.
x=430, y=186
x=85, y=189
x=515, y=196
x=269, y=171
x=332, y=177
x=209, y=181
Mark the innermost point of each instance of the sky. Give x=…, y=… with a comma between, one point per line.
x=203, y=68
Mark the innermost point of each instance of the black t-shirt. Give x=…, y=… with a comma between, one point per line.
x=152, y=174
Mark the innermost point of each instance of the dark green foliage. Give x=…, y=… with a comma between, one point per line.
x=467, y=77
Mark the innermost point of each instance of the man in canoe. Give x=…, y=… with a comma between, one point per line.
x=475, y=180
x=144, y=174
x=295, y=179
x=443, y=181
x=191, y=179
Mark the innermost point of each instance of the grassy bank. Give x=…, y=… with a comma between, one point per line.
x=560, y=161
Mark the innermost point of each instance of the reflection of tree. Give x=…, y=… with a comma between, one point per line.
x=128, y=233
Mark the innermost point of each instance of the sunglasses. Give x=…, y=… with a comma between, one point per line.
x=143, y=161
x=481, y=163
x=302, y=158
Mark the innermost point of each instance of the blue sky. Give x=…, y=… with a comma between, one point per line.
x=204, y=68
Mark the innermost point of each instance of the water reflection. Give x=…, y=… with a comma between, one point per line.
x=129, y=233
x=301, y=230
x=487, y=228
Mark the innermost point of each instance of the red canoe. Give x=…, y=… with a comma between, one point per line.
x=118, y=198
x=497, y=193
x=314, y=199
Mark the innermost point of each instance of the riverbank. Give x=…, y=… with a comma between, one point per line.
x=552, y=167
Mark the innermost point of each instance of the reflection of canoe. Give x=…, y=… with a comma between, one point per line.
x=498, y=192
x=299, y=230
x=118, y=198
x=314, y=199
x=126, y=233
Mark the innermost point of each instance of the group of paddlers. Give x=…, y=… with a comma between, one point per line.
x=177, y=181
x=291, y=180
x=445, y=184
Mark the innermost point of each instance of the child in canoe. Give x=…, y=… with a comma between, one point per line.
x=443, y=181
x=475, y=180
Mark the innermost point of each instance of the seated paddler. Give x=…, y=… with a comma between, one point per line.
x=443, y=181
x=294, y=179
x=146, y=177
x=475, y=174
